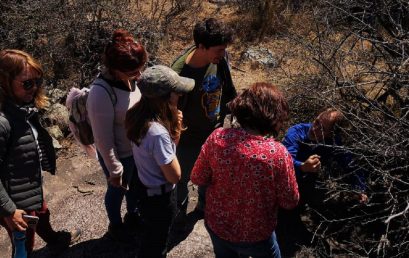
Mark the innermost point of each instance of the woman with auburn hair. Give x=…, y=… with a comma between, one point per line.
x=25, y=150
x=13, y=62
x=154, y=126
x=123, y=58
x=249, y=175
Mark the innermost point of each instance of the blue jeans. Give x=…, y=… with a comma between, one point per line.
x=115, y=195
x=263, y=249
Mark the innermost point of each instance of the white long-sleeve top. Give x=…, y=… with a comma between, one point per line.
x=108, y=124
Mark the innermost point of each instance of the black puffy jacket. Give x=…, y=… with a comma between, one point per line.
x=20, y=168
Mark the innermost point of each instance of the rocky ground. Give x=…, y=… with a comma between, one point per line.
x=75, y=197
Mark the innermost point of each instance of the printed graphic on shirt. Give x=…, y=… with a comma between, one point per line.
x=212, y=96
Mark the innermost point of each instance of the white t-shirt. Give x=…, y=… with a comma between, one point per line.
x=157, y=148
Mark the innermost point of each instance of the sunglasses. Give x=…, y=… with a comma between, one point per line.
x=28, y=84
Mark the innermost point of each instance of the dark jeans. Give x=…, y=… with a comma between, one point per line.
x=157, y=213
x=262, y=249
x=43, y=229
x=311, y=192
x=187, y=155
x=115, y=195
x=291, y=230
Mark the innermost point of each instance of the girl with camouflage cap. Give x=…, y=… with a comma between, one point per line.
x=154, y=126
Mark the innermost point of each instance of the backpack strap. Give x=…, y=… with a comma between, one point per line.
x=228, y=90
x=108, y=88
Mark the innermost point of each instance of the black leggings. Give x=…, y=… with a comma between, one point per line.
x=157, y=213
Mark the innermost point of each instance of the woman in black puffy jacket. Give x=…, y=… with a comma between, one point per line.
x=25, y=150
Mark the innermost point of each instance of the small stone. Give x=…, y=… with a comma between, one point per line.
x=56, y=144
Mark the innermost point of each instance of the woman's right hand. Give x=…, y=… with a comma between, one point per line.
x=16, y=221
x=180, y=117
x=174, y=99
x=117, y=182
x=311, y=165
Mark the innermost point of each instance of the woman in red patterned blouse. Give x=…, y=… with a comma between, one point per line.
x=249, y=175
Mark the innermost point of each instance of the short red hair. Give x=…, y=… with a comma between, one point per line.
x=123, y=53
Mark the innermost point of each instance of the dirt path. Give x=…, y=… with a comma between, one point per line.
x=75, y=198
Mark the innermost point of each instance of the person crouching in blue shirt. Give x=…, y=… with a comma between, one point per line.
x=315, y=147
x=317, y=144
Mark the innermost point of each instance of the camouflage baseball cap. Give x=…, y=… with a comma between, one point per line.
x=159, y=80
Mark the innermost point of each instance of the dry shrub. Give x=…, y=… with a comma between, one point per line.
x=68, y=36
x=263, y=18
x=360, y=50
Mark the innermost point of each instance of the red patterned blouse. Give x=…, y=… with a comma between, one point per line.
x=249, y=177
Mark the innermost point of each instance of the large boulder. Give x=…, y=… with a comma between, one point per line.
x=55, y=132
x=261, y=56
x=57, y=115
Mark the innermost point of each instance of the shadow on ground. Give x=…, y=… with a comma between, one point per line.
x=102, y=247
x=292, y=233
x=177, y=234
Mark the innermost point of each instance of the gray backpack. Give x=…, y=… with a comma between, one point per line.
x=77, y=105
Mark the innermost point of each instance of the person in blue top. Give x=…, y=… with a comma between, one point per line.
x=316, y=145
x=315, y=148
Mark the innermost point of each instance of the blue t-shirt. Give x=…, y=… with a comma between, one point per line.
x=156, y=149
x=301, y=147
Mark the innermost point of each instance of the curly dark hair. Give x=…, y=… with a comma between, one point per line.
x=211, y=32
x=261, y=107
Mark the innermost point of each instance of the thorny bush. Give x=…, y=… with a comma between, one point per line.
x=358, y=51
x=68, y=36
